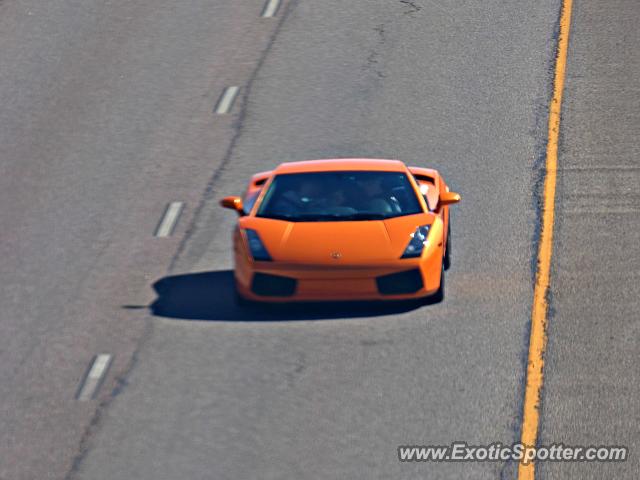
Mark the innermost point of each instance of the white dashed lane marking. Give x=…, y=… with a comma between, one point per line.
x=94, y=377
x=270, y=8
x=169, y=219
x=226, y=100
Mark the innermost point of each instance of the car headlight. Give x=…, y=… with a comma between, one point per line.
x=417, y=242
x=256, y=247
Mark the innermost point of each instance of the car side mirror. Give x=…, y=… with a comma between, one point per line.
x=448, y=198
x=234, y=203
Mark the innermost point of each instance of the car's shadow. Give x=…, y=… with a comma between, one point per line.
x=211, y=296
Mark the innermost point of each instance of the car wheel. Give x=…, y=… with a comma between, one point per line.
x=439, y=295
x=447, y=250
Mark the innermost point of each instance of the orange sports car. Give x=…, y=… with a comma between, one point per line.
x=344, y=229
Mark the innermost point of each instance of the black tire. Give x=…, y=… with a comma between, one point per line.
x=447, y=249
x=439, y=295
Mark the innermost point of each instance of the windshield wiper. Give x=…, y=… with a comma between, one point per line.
x=363, y=216
x=286, y=218
x=325, y=217
x=338, y=218
x=300, y=218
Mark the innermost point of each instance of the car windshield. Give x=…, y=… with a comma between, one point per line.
x=339, y=196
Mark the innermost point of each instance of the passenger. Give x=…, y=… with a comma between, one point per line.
x=375, y=199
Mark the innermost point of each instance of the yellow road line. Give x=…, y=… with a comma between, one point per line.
x=538, y=337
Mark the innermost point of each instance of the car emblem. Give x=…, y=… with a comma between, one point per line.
x=336, y=255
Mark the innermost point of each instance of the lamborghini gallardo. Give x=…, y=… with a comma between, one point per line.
x=342, y=229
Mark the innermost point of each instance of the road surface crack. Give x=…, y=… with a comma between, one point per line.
x=372, y=59
x=412, y=7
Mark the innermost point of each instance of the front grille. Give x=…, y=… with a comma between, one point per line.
x=399, y=283
x=273, y=285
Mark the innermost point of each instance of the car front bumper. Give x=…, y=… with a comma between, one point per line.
x=399, y=280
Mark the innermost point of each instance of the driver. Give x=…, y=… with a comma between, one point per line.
x=297, y=199
x=375, y=199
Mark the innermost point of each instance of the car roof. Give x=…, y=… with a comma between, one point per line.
x=341, y=164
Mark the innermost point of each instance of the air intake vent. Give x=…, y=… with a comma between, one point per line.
x=273, y=285
x=399, y=283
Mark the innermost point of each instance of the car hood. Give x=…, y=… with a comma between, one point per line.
x=334, y=243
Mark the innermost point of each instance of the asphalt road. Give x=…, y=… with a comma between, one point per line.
x=592, y=385
x=107, y=116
